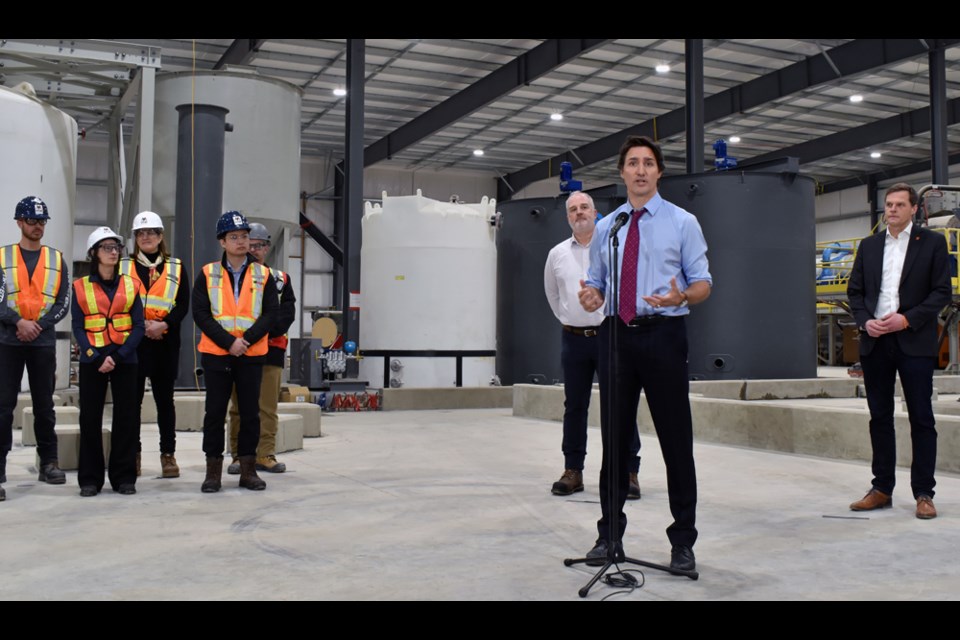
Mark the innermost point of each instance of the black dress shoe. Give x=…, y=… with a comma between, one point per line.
x=682, y=558
x=597, y=556
x=88, y=491
x=126, y=489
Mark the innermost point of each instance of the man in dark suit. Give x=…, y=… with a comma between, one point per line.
x=899, y=283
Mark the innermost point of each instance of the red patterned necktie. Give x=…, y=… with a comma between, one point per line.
x=628, y=270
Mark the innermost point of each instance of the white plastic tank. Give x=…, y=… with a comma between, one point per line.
x=38, y=153
x=428, y=283
x=261, y=175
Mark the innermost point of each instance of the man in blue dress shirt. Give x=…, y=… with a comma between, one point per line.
x=663, y=269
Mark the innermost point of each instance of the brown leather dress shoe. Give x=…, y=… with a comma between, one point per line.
x=925, y=508
x=873, y=500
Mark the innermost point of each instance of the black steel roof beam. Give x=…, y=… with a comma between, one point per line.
x=524, y=69
x=884, y=174
x=240, y=51
x=902, y=125
x=851, y=59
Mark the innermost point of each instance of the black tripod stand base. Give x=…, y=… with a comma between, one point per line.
x=568, y=562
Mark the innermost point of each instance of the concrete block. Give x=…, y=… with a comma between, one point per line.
x=448, y=398
x=729, y=389
x=310, y=412
x=944, y=407
x=68, y=447
x=807, y=388
x=289, y=432
x=65, y=416
x=189, y=412
x=69, y=397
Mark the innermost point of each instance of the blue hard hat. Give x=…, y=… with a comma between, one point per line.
x=32, y=208
x=231, y=221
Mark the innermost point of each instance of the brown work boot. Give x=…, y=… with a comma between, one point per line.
x=234, y=467
x=211, y=484
x=873, y=500
x=570, y=482
x=168, y=466
x=633, y=491
x=925, y=508
x=270, y=464
x=138, y=463
x=248, y=474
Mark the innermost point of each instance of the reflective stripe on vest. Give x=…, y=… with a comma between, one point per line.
x=235, y=317
x=280, y=342
x=161, y=297
x=105, y=321
x=32, y=298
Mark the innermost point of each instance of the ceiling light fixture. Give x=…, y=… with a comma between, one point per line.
x=663, y=68
x=875, y=154
x=856, y=98
x=339, y=92
x=478, y=152
x=556, y=116
x=733, y=139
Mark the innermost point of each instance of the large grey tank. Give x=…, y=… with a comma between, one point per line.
x=760, y=319
x=528, y=334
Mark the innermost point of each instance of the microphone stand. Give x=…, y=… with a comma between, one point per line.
x=612, y=450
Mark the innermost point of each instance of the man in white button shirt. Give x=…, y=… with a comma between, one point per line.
x=899, y=283
x=566, y=266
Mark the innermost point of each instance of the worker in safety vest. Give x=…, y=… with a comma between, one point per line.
x=107, y=318
x=234, y=306
x=37, y=290
x=272, y=368
x=165, y=294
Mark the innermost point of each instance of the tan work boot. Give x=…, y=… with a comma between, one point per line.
x=168, y=466
x=269, y=463
x=248, y=474
x=234, y=467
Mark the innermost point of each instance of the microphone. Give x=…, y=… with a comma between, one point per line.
x=621, y=220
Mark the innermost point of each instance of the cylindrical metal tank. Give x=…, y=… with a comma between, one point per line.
x=261, y=160
x=528, y=334
x=261, y=175
x=760, y=319
x=38, y=153
x=428, y=292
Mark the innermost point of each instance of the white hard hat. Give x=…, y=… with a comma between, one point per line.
x=101, y=233
x=147, y=220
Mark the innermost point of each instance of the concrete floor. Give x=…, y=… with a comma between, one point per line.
x=455, y=505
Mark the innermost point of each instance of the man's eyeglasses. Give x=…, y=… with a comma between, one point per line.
x=256, y=246
x=35, y=221
x=146, y=233
x=111, y=248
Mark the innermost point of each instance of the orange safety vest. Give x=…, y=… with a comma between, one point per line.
x=234, y=316
x=161, y=296
x=280, y=342
x=105, y=321
x=31, y=297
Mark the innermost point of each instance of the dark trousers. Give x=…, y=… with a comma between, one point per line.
x=246, y=377
x=124, y=429
x=41, y=364
x=580, y=357
x=166, y=412
x=880, y=368
x=651, y=358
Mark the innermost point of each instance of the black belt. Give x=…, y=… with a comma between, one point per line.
x=587, y=332
x=648, y=321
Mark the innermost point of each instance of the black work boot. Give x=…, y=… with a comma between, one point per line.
x=211, y=484
x=52, y=474
x=248, y=474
